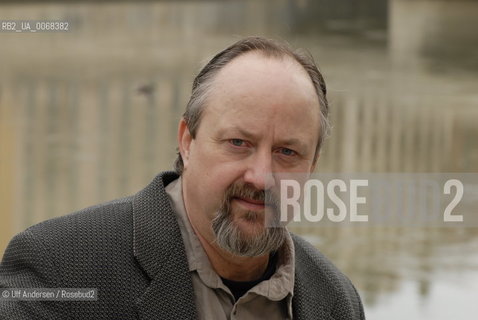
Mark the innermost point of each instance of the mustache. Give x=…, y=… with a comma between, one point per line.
x=248, y=191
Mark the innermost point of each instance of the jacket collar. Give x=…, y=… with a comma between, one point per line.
x=159, y=250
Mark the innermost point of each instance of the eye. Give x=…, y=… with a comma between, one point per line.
x=237, y=142
x=287, y=152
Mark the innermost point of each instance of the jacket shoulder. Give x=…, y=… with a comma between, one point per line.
x=76, y=241
x=91, y=248
x=108, y=214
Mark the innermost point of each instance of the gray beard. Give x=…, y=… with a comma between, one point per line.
x=230, y=238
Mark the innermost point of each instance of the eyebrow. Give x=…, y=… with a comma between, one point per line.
x=251, y=136
x=245, y=133
x=294, y=142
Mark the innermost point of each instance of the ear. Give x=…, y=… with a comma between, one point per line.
x=184, y=141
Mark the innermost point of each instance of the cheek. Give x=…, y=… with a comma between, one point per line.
x=208, y=182
x=212, y=171
x=209, y=161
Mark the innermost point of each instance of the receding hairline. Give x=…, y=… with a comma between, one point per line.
x=284, y=57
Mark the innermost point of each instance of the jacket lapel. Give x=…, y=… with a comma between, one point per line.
x=306, y=304
x=159, y=250
x=312, y=298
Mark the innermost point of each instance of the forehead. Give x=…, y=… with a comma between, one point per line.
x=260, y=93
x=254, y=72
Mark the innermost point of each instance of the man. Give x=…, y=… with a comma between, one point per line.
x=194, y=244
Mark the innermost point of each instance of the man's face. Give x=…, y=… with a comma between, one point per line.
x=261, y=117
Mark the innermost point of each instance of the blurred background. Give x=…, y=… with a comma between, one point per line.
x=91, y=115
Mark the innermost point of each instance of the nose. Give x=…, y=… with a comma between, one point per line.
x=259, y=171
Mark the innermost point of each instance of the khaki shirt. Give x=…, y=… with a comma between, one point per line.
x=270, y=299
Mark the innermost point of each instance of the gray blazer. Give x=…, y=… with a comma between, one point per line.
x=131, y=250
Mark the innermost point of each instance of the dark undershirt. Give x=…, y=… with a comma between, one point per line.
x=239, y=288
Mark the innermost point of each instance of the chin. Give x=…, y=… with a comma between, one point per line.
x=250, y=227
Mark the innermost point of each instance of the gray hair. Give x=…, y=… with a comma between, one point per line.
x=270, y=48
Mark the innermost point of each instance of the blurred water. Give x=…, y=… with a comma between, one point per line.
x=91, y=115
